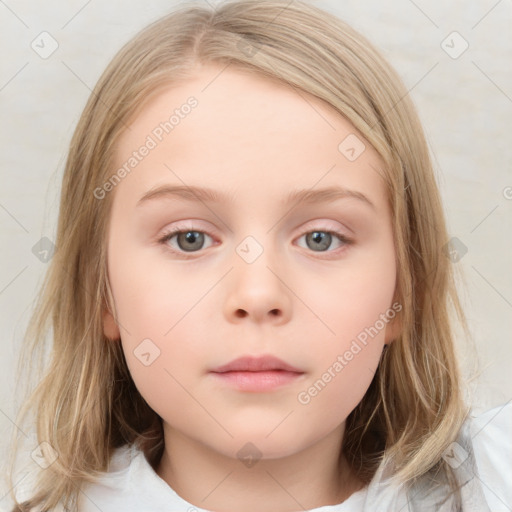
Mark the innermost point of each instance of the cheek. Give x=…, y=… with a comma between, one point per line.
x=153, y=297
x=355, y=306
x=346, y=362
x=338, y=388
x=354, y=298
x=161, y=375
x=156, y=309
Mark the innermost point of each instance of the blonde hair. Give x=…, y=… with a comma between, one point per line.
x=86, y=404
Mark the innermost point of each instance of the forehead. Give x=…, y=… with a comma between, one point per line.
x=248, y=133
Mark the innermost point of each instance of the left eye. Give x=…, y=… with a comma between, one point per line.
x=188, y=241
x=319, y=241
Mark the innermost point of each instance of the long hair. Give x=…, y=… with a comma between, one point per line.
x=85, y=404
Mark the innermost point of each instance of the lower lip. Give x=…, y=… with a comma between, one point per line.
x=258, y=381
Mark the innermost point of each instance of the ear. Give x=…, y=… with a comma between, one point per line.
x=110, y=327
x=393, y=330
x=394, y=326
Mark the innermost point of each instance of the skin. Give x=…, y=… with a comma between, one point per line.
x=256, y=140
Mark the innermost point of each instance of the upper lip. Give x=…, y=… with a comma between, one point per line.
x=256, y=364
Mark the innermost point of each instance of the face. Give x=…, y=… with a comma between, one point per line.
x=269, y=263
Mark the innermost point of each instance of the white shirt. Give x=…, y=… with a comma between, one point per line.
x=132, y=485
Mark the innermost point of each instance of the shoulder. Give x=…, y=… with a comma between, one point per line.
x=491, y=438
x=481, y=460
x=130, y=485
x=110, y=487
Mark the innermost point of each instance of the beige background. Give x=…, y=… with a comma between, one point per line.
x=465, y=104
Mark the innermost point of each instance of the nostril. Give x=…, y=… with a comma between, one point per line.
x=240, y=313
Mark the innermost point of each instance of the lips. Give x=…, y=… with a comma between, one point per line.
x=256, y=364
x=256, y=374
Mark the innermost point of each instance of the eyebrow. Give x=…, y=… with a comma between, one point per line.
x=208, y=195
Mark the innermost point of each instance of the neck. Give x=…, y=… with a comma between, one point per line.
x=315, y=477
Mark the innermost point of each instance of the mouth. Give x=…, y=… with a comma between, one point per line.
x=257, y=374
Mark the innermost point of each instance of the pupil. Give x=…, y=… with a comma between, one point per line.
x=193, y=238
x=321, y=238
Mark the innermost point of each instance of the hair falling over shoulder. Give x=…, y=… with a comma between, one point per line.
x=84, y=402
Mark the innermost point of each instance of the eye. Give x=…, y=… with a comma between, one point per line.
x=183, y=241
x=321, y=240
x=186, y=240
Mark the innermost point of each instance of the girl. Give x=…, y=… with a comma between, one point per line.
x=250, y=298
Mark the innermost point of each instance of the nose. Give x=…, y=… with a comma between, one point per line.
x=257, y=291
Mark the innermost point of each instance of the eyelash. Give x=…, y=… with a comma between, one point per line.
x=168, y=235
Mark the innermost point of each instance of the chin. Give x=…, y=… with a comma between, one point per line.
x=262, y=447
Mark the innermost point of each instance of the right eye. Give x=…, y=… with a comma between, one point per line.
x=185, y=240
